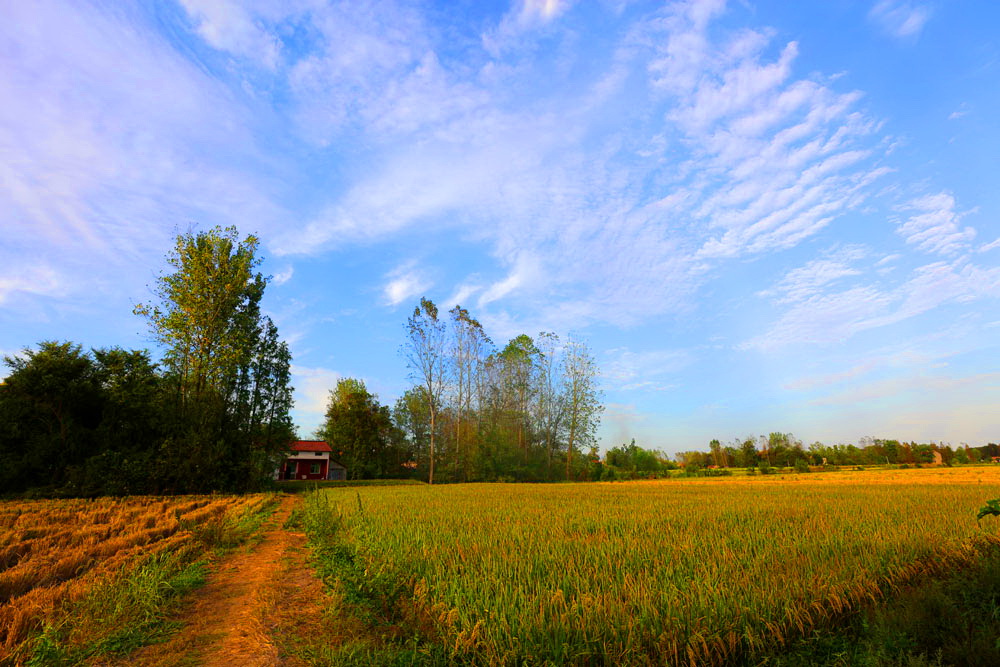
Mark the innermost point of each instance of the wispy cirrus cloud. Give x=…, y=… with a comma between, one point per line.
x=900, y=18
x=933, y=225
x=628, y=370
x=94, y=158
x=806, y=281
x=228, y=25
x=23, y=279
x=826, y=317
x=735, y=155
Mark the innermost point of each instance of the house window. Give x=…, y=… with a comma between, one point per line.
x=314, y=469
x=318, y=453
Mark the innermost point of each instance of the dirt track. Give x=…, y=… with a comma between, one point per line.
x=250, y=595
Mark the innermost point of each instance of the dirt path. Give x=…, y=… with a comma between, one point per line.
x=250, y=595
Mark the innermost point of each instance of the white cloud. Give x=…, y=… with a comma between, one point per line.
x=621, y=220
x=312, y=390
x=100, y=168
x=284, y=276
x=461, y=294
x=934, y=225
x=906, y=389
x=827, y=318
x=31, y=279
x=628, y=370
x=524, y=272
x=524, y=17
x=900, y=18
x=806, y=281
x=597, y=208
x=807, y=383
x=960, y=112
x=405, y=282
x=229, y=26
x=989, y=246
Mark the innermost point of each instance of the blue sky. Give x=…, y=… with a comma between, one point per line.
x=761, y=215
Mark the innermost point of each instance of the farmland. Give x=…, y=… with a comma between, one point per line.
x=699, y=571
x=79, y=577
x=739, y=569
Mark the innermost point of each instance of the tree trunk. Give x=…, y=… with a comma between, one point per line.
x=430, y=478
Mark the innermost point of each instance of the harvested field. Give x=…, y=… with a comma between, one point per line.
x=56, y=555
x=684, y=572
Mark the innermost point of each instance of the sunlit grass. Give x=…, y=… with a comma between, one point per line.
x=700, y=570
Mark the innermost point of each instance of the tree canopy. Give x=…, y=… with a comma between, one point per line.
x=213, y=414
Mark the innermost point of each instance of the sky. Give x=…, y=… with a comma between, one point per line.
x=760, y=215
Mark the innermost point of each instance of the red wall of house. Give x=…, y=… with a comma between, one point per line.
x=302, y=470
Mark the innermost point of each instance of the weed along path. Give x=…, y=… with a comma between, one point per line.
x=250, y=596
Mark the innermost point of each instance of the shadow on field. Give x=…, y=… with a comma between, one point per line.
x=303, y=485
x=949, y=620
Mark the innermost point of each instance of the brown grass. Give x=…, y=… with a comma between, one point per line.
x=52, y=551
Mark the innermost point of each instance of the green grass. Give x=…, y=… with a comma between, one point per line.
x=714, y=571
x=300, y=485
x=125, y=611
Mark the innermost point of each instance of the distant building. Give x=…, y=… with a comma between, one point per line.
x=310, y=459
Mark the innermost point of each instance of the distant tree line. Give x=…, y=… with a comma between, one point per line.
x=784, y=450
x=528, y=411
x=212, y=414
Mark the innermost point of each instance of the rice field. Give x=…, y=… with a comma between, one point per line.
x=54, y=554
x=677, y=572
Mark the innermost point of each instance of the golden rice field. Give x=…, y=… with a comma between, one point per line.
x=676, y=572
x=55, y=553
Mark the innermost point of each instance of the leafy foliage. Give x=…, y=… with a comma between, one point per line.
x=212, y=415
x=991, y=508
x=366, y=440
x=479, y=413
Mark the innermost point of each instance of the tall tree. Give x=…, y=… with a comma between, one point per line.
x=468, y=342
x=583, y=398
x=550, y=404
x=228, y=368
x=718, y=456
x=424, y=350
x=361, y=429
x=520, y=361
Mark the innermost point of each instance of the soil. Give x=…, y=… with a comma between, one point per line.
x=252, y=596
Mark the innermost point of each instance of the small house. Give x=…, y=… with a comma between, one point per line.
x=310, y=459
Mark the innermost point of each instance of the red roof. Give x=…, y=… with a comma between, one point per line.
x=310, y=446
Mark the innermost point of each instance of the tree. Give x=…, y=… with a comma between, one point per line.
x=550, y=404
x=50, y=408
x=81, y=423
x=468, y=341
x=583, y=398
x=519, y=361
x=228, y=369
x=361, y=430
x=424, y=350
x=718, y=457
x=748, y=449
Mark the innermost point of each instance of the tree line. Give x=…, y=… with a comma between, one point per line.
x=785, y=450
x=528, y=411
x=211, y=415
